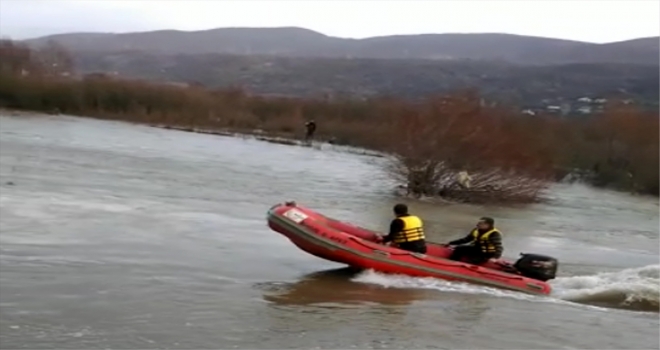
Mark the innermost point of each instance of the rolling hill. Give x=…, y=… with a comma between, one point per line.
x=295, y=76
x=529, y=71
x=299, y=42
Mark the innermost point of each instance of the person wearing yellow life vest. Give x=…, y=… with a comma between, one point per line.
x=406, y=231
x=485, y=242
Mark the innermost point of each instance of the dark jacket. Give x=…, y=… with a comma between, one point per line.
x=495, y=239
x=396, y=226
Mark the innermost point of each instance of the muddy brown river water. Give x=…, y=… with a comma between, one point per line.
x=129, y=237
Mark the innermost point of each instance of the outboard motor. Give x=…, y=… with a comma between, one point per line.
x=538, y=267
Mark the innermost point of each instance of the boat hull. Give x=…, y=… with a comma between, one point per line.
x=357, y=247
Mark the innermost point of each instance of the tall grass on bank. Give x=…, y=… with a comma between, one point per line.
x=510, y=157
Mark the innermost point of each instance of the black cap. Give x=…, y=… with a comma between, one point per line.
x=400, y=209
x=488, y=220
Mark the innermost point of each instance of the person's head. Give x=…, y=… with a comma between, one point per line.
x=400, y=209
x=485, y=223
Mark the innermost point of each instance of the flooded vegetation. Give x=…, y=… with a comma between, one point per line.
x=510, y=157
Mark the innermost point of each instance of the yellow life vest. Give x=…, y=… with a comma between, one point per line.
x=483, y=242
x=412, y=230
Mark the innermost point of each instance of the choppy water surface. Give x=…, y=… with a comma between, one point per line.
x=121, y=236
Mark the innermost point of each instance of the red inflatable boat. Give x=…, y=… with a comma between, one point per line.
x=355, y=246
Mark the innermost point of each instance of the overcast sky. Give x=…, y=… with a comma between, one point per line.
x=585, y=20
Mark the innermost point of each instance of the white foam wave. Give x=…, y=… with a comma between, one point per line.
x=400, y=281
x=636, y=288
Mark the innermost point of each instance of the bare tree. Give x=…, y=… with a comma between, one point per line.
x=455, y=134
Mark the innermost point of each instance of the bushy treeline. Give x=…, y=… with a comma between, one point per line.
x=511, y=157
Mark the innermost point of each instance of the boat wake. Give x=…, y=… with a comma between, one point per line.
x=633, y=289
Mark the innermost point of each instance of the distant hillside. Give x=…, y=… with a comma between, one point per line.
x=366, y=77
x=298, y=42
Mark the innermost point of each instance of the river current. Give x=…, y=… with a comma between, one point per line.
x=120, y=236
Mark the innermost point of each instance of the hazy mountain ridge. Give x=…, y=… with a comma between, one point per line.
x=529, y=71
x=526, y=85
x=298, y=42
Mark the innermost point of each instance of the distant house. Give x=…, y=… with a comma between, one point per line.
x=584, y=110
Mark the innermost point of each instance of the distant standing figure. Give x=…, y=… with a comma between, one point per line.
x=311, y=129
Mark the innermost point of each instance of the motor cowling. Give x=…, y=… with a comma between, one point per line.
x=538, y=267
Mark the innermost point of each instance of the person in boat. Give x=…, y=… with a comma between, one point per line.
x=484, y=242
x=311, y=129
x=406, y=231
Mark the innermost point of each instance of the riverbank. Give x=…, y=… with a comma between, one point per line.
x=288, y=139
x=276, y=138
x=432, y=139
x=260, y=135
x=282, y=138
